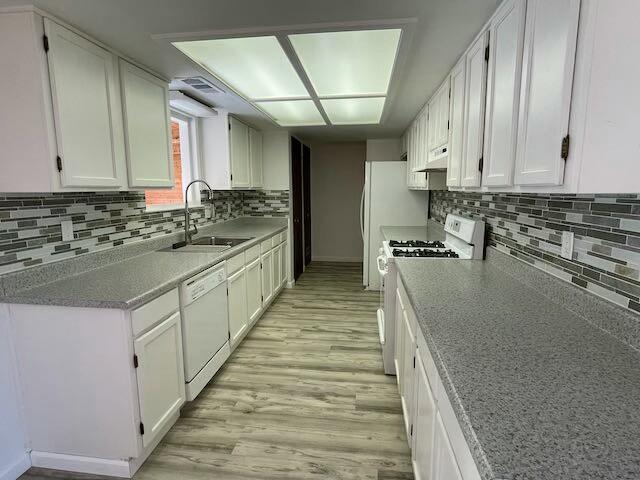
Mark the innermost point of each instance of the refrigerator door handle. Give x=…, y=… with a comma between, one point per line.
x=362, y=213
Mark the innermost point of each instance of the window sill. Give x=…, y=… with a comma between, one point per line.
x=169, y=208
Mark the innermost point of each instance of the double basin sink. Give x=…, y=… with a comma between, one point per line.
x=208, y=244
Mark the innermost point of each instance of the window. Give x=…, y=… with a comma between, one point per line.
x=185, y=167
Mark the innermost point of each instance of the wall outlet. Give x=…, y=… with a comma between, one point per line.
x=566, y=250
x=229, y=208
x=67, y=230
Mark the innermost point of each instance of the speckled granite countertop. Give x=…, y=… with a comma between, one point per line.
x=132, y=282
x=539, y=393
x=432, y=231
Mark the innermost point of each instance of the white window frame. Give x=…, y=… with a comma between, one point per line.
x=190, y=157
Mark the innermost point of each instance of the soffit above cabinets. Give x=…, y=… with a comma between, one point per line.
x=306, y=78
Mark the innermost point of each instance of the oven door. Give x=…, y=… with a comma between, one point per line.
x=382, y=271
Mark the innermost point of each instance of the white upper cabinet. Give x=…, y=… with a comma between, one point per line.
x=239, y=150
x=438, y=128
x=87, y=110
x=255, y=154
x=506, y=36
x=231, y=153
x=456, y=132
x=547, y=79
x=147, y=128
x=474, y=100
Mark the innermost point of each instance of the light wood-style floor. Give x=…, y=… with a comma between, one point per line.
x=303, y=397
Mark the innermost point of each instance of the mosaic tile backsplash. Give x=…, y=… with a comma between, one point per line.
x=606, y=256
x=30, y=232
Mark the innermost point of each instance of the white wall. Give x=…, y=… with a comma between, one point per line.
x=383, y=150
x=337, y=179
x=275, y=159
x=13, y=457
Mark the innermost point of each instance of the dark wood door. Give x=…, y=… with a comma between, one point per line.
x=306, y=189
x=297, y=199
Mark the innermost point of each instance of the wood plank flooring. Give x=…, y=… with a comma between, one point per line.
x=303, y=397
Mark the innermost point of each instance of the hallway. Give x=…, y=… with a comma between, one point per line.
x=303, y=397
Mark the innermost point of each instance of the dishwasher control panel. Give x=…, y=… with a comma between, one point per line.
x=203, y=283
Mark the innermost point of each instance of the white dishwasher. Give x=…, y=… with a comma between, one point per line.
x=205, y=327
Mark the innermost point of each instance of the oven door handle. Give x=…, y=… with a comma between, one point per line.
x=382, y=265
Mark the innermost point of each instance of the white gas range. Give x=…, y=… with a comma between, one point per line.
x=464, y=240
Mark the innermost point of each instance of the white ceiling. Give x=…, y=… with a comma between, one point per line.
x=438, y=32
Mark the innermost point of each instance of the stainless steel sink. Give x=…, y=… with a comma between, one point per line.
x=217, y=240
x=192, y=248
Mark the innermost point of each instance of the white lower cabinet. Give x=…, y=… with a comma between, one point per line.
x=266, y=260
x=283, y=264
x=238, y=300
x=160, y=375
x=424, y=421
x=444, y=462
x=253, y=274
x=439, y=450
x=277, y=265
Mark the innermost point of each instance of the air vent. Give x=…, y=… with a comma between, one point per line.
x=201, y=84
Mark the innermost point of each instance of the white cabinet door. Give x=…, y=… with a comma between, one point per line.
x=423, y=424
x=456, y=133
x=239, y=153
x=408, y=359
x=87, y=110
x=283, y=264
x=253, y=274
x=442, y=125
x=147, y=128
x=547, y=78
x=432, y=127
x=506, y=37
x=277, y=265
x=267, y=277
x=255, y=153
x=399, y=342
x=476, y=81
x=237, y=298
x=421, y=155
x=445, y=466
x=160, y=375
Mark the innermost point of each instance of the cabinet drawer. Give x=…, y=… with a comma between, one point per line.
x=251, y=254
x=235, y=263
x=146, y=316
x=266, y=245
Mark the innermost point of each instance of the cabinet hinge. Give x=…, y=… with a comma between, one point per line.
x=229, y=126
x=141, y=428
x=45, y=43
x=59, y=163
x=232, y=177
x=481, y=164
x=262, y=298
x=414, y=361
x=447, y=124
x=135, y=361
x=564, y=149
x=229, y=335
x=411, y=430
x=486, y=53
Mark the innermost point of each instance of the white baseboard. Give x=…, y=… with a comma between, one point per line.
x=76, y=463
x=337, y=259
x=16, y=469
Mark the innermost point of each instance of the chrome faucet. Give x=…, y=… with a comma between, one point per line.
x=187, y=216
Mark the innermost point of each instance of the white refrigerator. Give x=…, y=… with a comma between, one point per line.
x=386, y=200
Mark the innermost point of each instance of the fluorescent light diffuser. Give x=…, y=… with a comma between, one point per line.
x=293, y=113
x=353, y=111
x=348, y=63
x=256, y=67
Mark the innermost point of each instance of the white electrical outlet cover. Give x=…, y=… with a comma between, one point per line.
x=566, y=250
x=67, y=230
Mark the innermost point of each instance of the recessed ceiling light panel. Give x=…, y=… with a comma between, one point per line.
x=348, y=63
x=293, y=113
x=256, y=67
x=353, y=111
